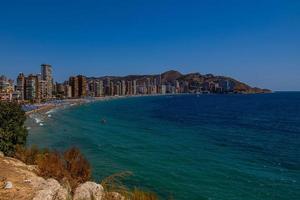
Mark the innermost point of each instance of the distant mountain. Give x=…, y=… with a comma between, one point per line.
x=195, y=82
x=170, y=76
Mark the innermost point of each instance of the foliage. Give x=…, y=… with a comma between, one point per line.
x=12, y=129
x=70, y=167
x=78, y=168
x=114, y=183
x=138, y=194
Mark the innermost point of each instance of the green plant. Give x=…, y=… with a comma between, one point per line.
x=12, y=129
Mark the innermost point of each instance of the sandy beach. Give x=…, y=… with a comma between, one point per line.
x=43, y=108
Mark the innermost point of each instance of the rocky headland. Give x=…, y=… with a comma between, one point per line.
x=19, y=181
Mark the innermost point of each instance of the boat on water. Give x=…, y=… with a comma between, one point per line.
x=103, y=121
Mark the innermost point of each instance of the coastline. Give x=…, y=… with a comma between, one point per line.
x=46, y=107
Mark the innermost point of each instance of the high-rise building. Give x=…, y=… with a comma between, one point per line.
x=21, y=86
x=134, y=87
x=47, y=77
x=68, y=91
x=79, y=86
x=163, y=89
x=32, y=88
x=111, y=88
x=82, y=86
x=123, y=88
x=98, y=88
x=73, y=82
x=129, y=88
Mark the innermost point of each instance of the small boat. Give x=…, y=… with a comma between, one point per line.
x=103, y=121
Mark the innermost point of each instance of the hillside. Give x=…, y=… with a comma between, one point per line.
x=192, y=82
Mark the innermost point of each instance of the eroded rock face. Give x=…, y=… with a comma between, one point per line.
x=89, y=191
x=23, y=184
x=50, y=190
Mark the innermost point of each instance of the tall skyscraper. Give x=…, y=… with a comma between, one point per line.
x=32, y=88
x=98, y=88
x=82, y=86
x=21, y=86
x=46, y=71
x=111, y=88
x=73, y=82
x=123, y=88
x=134, y=87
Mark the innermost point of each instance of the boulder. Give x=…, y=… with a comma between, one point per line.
x=89, y=191
x=8, y=185
x=51, y=190
x=1, y=154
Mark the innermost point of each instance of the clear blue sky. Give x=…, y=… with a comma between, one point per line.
x=255, y=41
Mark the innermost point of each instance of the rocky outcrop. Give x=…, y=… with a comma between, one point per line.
x=19, y=181
x=50, y=190
x=89, y=191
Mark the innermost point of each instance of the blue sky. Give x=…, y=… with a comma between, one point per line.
x=255, y=41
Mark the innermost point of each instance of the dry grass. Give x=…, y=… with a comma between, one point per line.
x=70, y=168
x=114, y=183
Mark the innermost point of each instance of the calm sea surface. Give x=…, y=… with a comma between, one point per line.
x=216, y=147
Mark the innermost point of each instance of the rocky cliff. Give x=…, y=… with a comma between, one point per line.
x=19, y=181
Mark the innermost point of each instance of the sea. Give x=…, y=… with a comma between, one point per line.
x=186, y=147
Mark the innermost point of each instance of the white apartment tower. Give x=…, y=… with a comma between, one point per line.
x=47, y=77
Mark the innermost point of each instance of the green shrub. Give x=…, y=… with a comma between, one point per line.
x=12, y=129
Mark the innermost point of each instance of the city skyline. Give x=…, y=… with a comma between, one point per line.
x=254, y=41
x=42, y=87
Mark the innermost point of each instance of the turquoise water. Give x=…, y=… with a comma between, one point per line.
x=215, y=147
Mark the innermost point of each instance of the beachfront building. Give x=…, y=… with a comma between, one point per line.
x=6, y=89
x=46, y=71
x=123, y=88
x=73, y=82
x=79, y=86
x=21, y=86
x=134, y=87
x=68, y=91
x=95, y=88
x=98, y=88
x=82, y=86
x=32, y=88
x=163, y=89
x=111, y=88
x=129, y=88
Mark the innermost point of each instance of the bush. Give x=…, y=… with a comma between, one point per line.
x=71, y=166
x=138, y=194
x=28, y=155
x=78, y=168
x=114, y=183
x=12, y=129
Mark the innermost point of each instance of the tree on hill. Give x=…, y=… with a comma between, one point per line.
x=12, y=129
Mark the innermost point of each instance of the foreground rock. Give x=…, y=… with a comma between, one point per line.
x=19, y=181
x=89, y=191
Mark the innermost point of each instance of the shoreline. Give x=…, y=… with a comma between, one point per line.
x=58, y=104
x=44, y=108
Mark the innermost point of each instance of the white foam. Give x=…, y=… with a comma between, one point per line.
x=37, y=120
